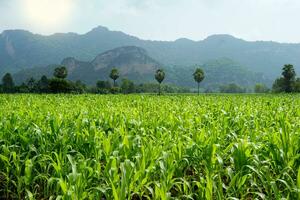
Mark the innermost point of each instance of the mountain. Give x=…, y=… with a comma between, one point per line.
x=21, y=49
x=217, y=72
x=132, y=63
x=135, y=64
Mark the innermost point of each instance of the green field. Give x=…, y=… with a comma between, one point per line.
x=149, y=147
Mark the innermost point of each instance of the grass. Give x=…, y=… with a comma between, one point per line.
x=149, y=147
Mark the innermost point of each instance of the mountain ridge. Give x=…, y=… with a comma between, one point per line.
x=103, y=28
x=132, y=62
x=135, y=64
x=23, y=49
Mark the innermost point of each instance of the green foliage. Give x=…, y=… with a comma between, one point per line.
x=287, y=82
x=58, y=85
x=160, y=76
x=127, y=86
x=278, y=85
x=152, y=88
x=289, y=75
x=78, y=87
x=115, y=90
x=114, y=75
x=60, y=72
x=43, y=84
x=103, y=85
x=8, y=83
x=149, y=147
x=232, y=88
x=297, y=85
x=198, y=76
x=31, y=85
x=261, y=88
x=23, y=88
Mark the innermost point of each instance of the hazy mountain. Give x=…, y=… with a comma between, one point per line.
x=132, y=62
x=21, y=49
x=135, y=64
x=217, y=72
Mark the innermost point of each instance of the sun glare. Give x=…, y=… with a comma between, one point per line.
x=47, y=14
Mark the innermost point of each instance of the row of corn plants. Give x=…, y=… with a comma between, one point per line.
x=149, y=147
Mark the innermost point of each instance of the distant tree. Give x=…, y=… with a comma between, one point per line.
x=152, y=88
x=114, y=75
x=261, y=88
x=103, y=87
x=127, y=86
x=31, y=84
x=8, y=83
x=58, y=85
x=297, y=85
x=100, y=84
x=23, y=88
x=103, y=84
x=115, y=90
x=289, y=76
x=232, y=88
x=43, y=84
x=198, y=76
x=278, y=85
x=287, y=81
x=78, y=87
x=159, y=76
x=60, y=72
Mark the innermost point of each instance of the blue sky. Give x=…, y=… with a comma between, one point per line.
x=275, y=20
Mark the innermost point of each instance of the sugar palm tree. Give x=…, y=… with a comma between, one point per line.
x=114, y=75
x=159, y=76
x=198, y=76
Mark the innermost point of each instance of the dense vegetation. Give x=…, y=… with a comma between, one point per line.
x=149, y=147
x=217, y=72
x=288, y=82
x=59, y=85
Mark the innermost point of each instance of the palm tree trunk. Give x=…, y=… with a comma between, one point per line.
x=114, y=83
x=198, y=88
x=159, y=92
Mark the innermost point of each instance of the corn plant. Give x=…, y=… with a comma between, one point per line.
x=149, y=147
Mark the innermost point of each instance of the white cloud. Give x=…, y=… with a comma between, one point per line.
x=170, y=19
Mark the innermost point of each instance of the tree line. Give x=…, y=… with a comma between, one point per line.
x=59, y=84
x=288, y=82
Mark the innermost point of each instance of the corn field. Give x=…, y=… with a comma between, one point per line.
x=149, y=147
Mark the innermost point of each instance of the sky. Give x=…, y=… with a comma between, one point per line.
x=268, y=20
